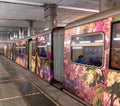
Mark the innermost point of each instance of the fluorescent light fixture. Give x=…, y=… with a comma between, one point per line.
x=73, y=42
x=116, y=39
x=76, y=8
x=41, y=46
x=48, y=43
x=46, y=29
x=85, y=42
x=21, y=47
x=77, y=38
x=22, y=2
x=98, y=41
x=67, y=42
x=78, y=30
x=10, y=30
x=75, y=47
x=42, y=38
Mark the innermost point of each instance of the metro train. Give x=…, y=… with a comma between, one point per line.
x=84, y=56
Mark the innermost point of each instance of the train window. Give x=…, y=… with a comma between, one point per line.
x=88, y=49
x=24, y=50
x=41, y=51
x=42, y=46
x=17, y=48
x=115, y=46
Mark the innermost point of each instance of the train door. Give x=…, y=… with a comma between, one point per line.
x=58, y=46
x=30, y=54
x=33, y=55
x=14, y=52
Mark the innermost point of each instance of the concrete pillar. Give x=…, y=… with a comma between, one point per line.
x=30, y=28
x=11, y=37
x=107, y=4
x=50, y=16
x=20, y=33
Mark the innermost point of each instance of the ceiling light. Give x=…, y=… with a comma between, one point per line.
x=116, y=39
x=98, y=41
x=10, y=30
x=76, y=8
x=46, y=29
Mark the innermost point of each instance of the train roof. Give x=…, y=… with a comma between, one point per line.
x=95, y=17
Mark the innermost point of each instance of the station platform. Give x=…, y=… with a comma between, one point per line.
x=19, y=87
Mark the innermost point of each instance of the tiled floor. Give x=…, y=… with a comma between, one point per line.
x=15, y=90
x=19, y=87
x=9, y=92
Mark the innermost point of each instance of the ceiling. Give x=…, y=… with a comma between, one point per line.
x=15, y=13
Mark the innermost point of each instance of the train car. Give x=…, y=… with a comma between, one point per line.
x=44, y=63
x=41, y=54
x=49, y=51
x=92, y=58
x=86, y=59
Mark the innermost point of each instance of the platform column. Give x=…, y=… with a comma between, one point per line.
x=21, y=33
x=50, y=16
x=107, y=4
x=30, y=33
x=30, y=28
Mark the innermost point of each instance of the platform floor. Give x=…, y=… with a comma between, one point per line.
x=19, y=87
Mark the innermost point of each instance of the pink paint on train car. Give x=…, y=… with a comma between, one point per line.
x=77, y=78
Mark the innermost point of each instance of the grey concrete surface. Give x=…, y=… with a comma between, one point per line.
x=54, y=94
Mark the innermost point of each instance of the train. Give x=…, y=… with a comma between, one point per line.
x=84, y=56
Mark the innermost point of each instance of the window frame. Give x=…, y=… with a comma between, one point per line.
x=89, y=34
x=42, y=46
x=111, y=42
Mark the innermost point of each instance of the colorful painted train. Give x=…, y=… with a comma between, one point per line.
x=84, y=56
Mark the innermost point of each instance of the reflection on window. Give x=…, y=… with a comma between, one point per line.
x=88, y=49
x=115, y=46
x=42, y=51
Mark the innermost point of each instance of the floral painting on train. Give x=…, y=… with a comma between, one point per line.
x=44, y=59
x=96, y=84
x=21, y=53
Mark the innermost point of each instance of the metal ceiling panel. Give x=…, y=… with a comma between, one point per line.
x=15, y=11
x=9, y=23
x=90, y=4
x=15, y=15
x=44, y=1
x=70, y=15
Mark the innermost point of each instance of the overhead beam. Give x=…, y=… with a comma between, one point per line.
x=80, y=9
x=22, y=3
x=12, y=19
x=11, y=27
x=36, y=28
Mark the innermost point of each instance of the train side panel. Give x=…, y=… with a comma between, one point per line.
x=21, y=53
x=44, y=56
x=95, y=85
